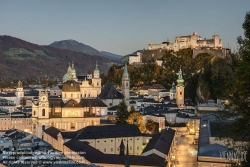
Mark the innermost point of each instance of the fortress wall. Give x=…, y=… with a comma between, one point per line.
x=221, y=52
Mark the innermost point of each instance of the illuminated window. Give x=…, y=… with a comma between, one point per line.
x=72, y=125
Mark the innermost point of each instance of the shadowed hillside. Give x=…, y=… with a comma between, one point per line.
x=21, y=59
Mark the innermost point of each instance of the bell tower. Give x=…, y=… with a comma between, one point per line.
x=19, y=92
x=180, y=90
x=126, y=84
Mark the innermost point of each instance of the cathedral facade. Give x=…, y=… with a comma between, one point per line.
x=90, y=86
x=76, y=108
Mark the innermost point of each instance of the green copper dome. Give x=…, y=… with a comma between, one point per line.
x=66, y=77
x=180, y=80
x=173, y=90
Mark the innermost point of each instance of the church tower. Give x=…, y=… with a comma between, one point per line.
x=180, y=90
x=126, y=84
x=19, y=92
x=96, y=82
x=73, y=72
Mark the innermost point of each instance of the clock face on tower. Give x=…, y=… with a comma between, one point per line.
x=43, y=105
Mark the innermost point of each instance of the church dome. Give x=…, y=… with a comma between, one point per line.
x=66, y=77
x=172, y=90
x=71, y=86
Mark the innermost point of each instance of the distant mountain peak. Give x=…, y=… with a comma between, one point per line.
x=76, y=46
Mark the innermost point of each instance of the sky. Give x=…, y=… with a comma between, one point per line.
x=122, y=26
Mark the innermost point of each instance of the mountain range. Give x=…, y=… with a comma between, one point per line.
x=80, y=47
x=22, y=59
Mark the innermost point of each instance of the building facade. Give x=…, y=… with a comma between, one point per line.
x=70, y=111
x=191, y=41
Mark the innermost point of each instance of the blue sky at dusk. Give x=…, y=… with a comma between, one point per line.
x=121, y=26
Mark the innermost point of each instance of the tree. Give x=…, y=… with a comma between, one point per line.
x=239, y=129
x=23, y=102
x=122, y=113
x=152, y=126
x=138, y=117
x=132, y=110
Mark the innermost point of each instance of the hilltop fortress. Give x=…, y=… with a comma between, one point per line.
x=191, y=41
x=196, y=43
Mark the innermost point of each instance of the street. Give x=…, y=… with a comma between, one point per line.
x=186, y=156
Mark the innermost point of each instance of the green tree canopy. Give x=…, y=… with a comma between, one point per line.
x=122, y=113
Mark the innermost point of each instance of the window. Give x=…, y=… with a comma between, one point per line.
x=111, y=140
x=117, y=148
x=71, y=95
x=180, y=93
x=138, y=147
x=130, y=147
x=89, y=95
x=65, y=95
x=111, y=149
x=72, y=125
x=34, y=112
x=104, y=149
x=43, y=112
x=85, y=95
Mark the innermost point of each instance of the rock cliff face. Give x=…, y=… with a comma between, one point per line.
x=200, y=96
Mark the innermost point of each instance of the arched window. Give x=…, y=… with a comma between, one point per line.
x=43, y=112
x=34, y=112
x=180, y=93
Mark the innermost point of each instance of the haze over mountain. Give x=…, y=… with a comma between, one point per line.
x=21, y=59
x=80, y=47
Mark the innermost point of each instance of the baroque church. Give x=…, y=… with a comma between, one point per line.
x=82, y=103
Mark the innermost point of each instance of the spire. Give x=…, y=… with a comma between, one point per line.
x=173, y=84
x=69, y=68
x=122, y=148
x=180, y=81
x=96, y=71
x=19, y=84
x=127, y=157
x=125, y=72
x=96, y=66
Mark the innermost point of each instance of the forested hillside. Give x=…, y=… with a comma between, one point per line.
x=28, y=62
x=207, y=76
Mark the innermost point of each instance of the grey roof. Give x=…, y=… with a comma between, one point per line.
x=182, y=115
x=95, y=156
x=7, y=95
x=109, y=92
x=213, y=150
x=68, y=135
x=161, y=141
x=52, y=131
x=108, y=131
